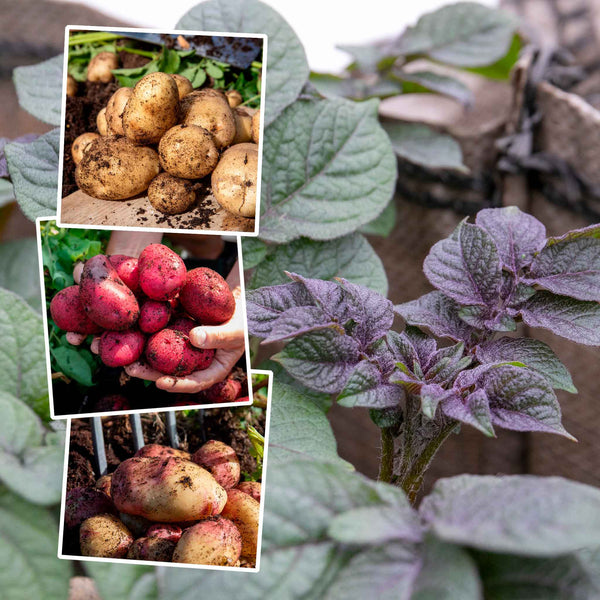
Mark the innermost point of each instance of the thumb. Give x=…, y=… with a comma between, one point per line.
x=227, y=336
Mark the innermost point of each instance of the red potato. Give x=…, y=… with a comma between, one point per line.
x=252, y=488
x=156, y=450
x=207, y=297
x=183, y=324
x=136, y=524
x=67, y=312
x=166, y=531
x=244, y=511
x=127, y=269
x=82, y=503
x=152, y=548
x=162, y=272
x=210, y=542
x=166, y=490
x=224, y=391
x=171, y=353
x=154, y=316
x=121, y=348
x=103, y=484
x=104, y=536
x=111, y=402
x=106, y=300
x=222, y=462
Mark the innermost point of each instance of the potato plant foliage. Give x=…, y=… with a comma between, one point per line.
x=328, y=531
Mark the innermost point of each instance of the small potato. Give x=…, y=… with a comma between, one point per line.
x=234, y=180
x=233, y=97
x=184, y=85
x=152, y=109
x=68, y=313
x=171, y=195
x=162, y=272
x=81, y=144
x=136, y=524
x=256, y=127
x=165, y=531
x=154, y=316
x=209, y=108
x=210, y=542
x=82, y=503
x=115, y=109
x=252, y=488
x=71, y=86
x=152, y=548
x=103, y=484
x=101, y=123
x=121, y=348
x=244, y=511
x=243, y=126
x=188, y=151
x=222, y=462
x=127, y=269
x=101, y=66
x=104, y=536
x=115, y=169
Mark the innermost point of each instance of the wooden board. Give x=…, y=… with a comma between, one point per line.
x=80, y=209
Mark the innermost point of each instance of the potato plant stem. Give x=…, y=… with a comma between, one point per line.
x=386, y=467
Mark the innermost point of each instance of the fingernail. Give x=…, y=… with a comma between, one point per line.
x=199, y=336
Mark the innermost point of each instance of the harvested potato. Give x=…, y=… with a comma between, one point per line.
x=234, y=180
x=184, y=85
x=68, y=312
x=171, y=195
x=188, y=151
x=166, y=490
x=71, y=86
x=206, y=296
x=221, y=460
x=103, y=484
x=209, y=108
x=256, y=127
x=210, y=542
x=81, y=144
x=121, y=348
x=234, y=98
x=154, y=316
x=136, y=524
x=104, y=536
x=172, y=353
x=152, y=109
x=152, y=548
x=101, y=66
x=224, y=391
x=115, y=169
x=127, y=269
x=252, y=488
x=166, y=531
x=156, y=450
x=162, y=272
x=82, y=503
x=115, y=109
x=243, y=126
x=101, y=123
x=244, y=511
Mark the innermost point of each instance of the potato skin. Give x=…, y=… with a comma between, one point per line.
x=152, y=548
x=252, y=488
x=234, y=180
x=244, y=511
x=68, y=313
x=166, y=490
x=121, y=348
x=243, y=126
x=165, y=531
x=256, y=127
x=154, y=315
x=210, y=542
x=115, y=109
x=101, y=123
x=135, y=523
x=152, y=109
x=71, y=86
x=188, y=151
x=157, y=450
x=209, y=108
x=82, y=503
x=222, y=462
x=100, y=67
x=104, y=536
x=206, y=297
x=103, y=484
x=234, y=98
x=224, y=391
x=107, y=301
x=127, y=269
x=184, y=85
x=81, y=144
x=115, y=169
x=162, y=272
x=171, y=195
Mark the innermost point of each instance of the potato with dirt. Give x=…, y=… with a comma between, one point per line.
x=68, y=312
x=154, y=316
x=157, y=450
x=166, y=490
x=256, y=127
x=234, y=98
x=171, y=195
x=152, y=548
x=82, y=503
x=101, y=66
x=243, y=124
x=244, y=511
x=103, y=484
x=127, y=269
x=115, y=109
x=188, y=151
x=211, y=542
x=252, y=488
x=113, y=168
x=184, y=85
x=71, y=86
x=152, y=109
x=121, y=348
x=221, y=460
x=209, y=109
x=101, y=122
x=81, y=144
x=165, y=531
x=224, y=391
x=206, y=297
x=234, y=180
x=104, y=536
x=162, y=272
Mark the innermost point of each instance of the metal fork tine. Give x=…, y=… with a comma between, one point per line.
x=99, y=448
x=138, y=432
x=172, y=429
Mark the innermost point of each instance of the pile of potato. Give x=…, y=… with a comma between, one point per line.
x=169, y=505
x=161, y=136
x=145, y=306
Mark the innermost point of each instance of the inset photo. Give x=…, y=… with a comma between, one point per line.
x=162, y=130
x=181, y=488
x=139, y=321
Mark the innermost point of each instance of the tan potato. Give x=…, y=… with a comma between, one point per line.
x=166, y=490
x=210, y=542
x=151, y=548
x=234, y=180
x=101, y=123
x=188, y=151
x=103, y=484
x=244, y=511
x=104, y=536
x=115, y=109
x=171, y=195
x=243, y=126
x=209, y=108
x=152, y=109
x=71, y=86
x=161, y=451
x=81, y=144
x=101, y=66
x=252, y=488
x=184, y=85
x=233, y=97
x=256, y=127
x=222, y=462
x=115, y=169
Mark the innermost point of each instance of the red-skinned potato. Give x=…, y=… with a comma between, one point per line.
x=152, y=548
x=162, y=272
x=135, y=523
x=172, y=353
x=68, y=313
x=224, y=391
x=154, y=316
x=166, y=490
x=183, y=325
x=252, y=488
x=107, y=301
x=121, y=348
x=244, y=511
x=207, y=297
x=127, y=269
x=103, y=484
x=221, y=460
x=166, y=531
x=157, y=450
x=82, y=503
x=104, y=536
x=210, y=542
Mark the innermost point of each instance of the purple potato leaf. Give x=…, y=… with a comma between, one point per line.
x=532, y=353
x=297, y=321
x=466, y=269
x=445, y=364
x=321, y=360
x=576, y=320
x=431, y=396
x=569, y=268
x=423, y=344
x=518, y=236
x=484, y=317
x=366, y=387
x=591, y=231
x=329, y=295
x=473, y=410
x=439, y=314
x=402, y=350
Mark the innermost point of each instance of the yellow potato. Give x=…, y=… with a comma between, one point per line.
x=234, y=98
x=113, y=168
x=209, y=108
x=101, y=66
x=244, y=511
x=71, y=86
x=115, y=109
x=152, y=109
x=171, y=195
x=234, y=180
x=184, y=85
x=256, y=127
x=243, y=126
x=81, y=144
x=104, y=536
x=101, y=123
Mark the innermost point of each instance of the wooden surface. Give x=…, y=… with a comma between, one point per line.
x=80, y=209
